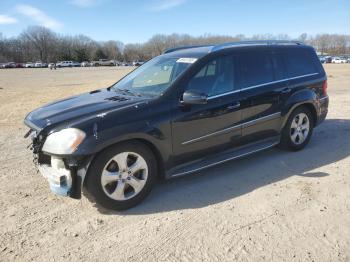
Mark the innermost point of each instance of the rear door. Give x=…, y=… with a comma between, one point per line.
x=263, y=84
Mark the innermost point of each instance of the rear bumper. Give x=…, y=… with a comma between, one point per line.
x=323, y=109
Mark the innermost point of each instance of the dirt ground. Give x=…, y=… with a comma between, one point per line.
x=272, y=206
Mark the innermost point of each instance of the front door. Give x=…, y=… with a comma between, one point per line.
x=199, y=130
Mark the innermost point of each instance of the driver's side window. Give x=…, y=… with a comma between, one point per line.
x=214, y=78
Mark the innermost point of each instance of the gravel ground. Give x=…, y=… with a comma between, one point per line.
x=272, y=206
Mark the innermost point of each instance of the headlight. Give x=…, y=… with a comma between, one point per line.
x=64, y=142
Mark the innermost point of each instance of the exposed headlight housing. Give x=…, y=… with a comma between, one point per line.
x=64, y=142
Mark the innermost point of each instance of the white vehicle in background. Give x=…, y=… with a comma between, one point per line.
x=39, y=64
x=103, y=62
x=52, y=66
x=85, y=64
x=338, y=60
x=29, y=65
x=67, y=64
x=137, y=63
x=126, y=64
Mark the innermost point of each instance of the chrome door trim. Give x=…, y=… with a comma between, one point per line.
x=261, y=119
x=223, y=131
x=232, y=128
x=323, y=98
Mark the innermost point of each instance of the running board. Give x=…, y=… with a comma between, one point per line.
x=222, y=157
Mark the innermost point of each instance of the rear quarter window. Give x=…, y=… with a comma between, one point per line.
x=299, y=62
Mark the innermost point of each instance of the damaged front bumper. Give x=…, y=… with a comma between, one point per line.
x=59, y=177
x=65, y=175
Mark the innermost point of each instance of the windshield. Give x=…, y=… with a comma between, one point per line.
x=155, y=76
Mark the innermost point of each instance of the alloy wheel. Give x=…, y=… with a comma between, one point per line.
x=300, y=128
x=124, y=176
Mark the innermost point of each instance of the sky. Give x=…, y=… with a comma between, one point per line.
x=132, y=21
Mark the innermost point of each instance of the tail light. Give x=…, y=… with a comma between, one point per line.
x=324, y=87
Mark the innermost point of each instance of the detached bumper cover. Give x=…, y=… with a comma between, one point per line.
x=60, y=179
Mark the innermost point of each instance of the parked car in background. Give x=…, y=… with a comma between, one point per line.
x=177, y=114
x=348, y=60
x=338, y=60
x=39, y=64
x=19, y=65
x=9, y=65
x=137, y=63
x=29, y=65
x=322, y=59
x=328, y=59
x=103, y=62
x=85, y=64
x=67, y=64
x=52, y=66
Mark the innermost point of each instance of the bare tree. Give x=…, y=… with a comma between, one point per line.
x=40, y=43
x=41, y=38
x=112, y=49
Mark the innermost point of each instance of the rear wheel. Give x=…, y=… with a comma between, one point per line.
x=297, y=132
x=121, y=177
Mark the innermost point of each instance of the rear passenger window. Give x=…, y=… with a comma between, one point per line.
x=278, y=66
x=256, y=69
x=299, y=62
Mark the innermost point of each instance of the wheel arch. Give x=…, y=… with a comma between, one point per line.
x=308, y=104
x=156, y=152
x=304, y=97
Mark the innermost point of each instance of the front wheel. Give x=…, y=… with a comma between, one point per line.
x=121, y=177
x=297, y=132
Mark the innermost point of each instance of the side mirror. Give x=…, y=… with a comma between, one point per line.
x=191, y=97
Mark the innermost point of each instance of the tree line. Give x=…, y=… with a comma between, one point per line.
x=41, y=44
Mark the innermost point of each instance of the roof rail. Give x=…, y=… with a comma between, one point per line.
x=258, y=42
x=166, y=51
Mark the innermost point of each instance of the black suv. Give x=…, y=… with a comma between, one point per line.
x=185, y=110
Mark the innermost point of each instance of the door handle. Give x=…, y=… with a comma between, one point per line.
x=286, y=90
x=234, y=106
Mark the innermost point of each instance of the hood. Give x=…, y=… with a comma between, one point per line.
x=80, y=106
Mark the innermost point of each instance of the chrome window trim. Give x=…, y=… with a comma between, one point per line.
x=264, y=84
x=225, y=130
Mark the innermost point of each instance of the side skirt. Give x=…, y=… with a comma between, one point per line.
x=222, y=157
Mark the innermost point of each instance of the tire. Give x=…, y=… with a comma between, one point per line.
x=295, y=134
x=117, y=190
